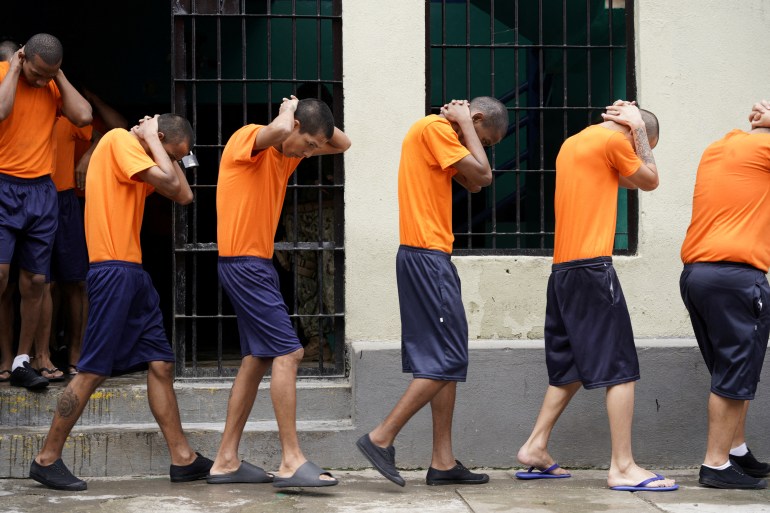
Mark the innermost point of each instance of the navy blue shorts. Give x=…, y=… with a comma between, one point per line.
x=434, y=330
x=125, y=326
x=28, y=219
x=588, y=335
x=69, y=262
x=252, y=285
x=729, y=306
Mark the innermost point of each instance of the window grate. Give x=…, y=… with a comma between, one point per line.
x=555, y=64
x=232, y=63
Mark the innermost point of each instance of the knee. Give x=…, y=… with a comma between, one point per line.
x=31, y=285
x=291, y=359
x=162, y=370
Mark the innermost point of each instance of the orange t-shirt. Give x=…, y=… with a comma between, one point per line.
x=66, y=135
x=731, y=203
x=26, y=149
x=430, y=149
x=115, y=198
x=250, y=192
x=586, y=200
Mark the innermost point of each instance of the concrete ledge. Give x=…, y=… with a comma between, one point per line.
x=495, y=411
x=497, y=406
x=124, y=401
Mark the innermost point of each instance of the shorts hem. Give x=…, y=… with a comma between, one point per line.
x=606, y=384
x=734, y=397
x=434, y=377
x=274, y=355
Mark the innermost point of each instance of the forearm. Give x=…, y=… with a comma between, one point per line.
x=339, y=143
x=483, y=171
x=8, y=94
x=643, y=150
x=111, y=117
x=74, y=106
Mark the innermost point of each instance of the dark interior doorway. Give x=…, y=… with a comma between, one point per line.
x=121, y=52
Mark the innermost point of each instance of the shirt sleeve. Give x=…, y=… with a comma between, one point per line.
x=242, y=141
x=621, y=155
x=443, y=143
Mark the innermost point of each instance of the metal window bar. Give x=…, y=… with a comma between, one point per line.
x=220, y=98
x=514, y=215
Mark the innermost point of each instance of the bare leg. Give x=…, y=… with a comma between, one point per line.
x=283, y=392
x=724, y=420
x=740, y=431
x=442, y=408
x=31, y=288
x=162, y=399
x=620, y=410
x=77, y=311
x=419, y=393
x=534, y=452
x=6, y=324
x=43, y=336
x=242, y=397
x=69, y=407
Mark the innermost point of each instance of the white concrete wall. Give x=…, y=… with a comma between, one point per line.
x=700, y=66
x=384, y=75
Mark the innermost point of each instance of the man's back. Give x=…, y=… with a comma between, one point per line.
x=731, y=203
x=425, y=183
x=585, y=203
x=114, y=199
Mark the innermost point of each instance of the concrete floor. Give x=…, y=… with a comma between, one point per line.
x=368, y=492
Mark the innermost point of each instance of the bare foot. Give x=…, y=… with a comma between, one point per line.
x=635, y=475
x=539, y=459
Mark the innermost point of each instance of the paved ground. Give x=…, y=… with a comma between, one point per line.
x=367, y=492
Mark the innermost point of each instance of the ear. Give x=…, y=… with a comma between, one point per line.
x=161, y=136
x=477, y=117
x=297, y=124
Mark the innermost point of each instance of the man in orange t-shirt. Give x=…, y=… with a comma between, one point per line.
x=33, y=93
x=125, y=326
x=726, y=256
x=434, y=329
x=253, y=173
x=588, y=337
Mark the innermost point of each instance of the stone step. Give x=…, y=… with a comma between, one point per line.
x=140, y=449
x=124, y=401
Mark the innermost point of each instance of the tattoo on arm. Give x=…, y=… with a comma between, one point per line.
x=68, y=404
x=643, y=149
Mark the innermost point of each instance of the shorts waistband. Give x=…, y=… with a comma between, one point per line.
x=115, y=263
x=724, y=263
x=244, y=259
x=426, y=251
x=25, y=181
x=584, y=262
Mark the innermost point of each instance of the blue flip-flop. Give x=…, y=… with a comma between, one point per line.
x=642, y=487
x=533, y=473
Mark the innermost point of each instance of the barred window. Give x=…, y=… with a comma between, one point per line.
x=232, y=63
x=555, y=64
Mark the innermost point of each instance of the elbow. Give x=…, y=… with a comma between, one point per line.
x=651, y=185
x=485, y=180
x=185, y=198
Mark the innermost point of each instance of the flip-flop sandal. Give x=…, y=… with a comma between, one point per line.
x=307, y=475
x=642, y=487
x=51, y=372
x=8, y=378
x=534, y=473
x=246, y=473
x=72, y=371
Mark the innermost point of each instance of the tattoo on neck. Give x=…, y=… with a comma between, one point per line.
x=68, y=404
x=643, y=149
